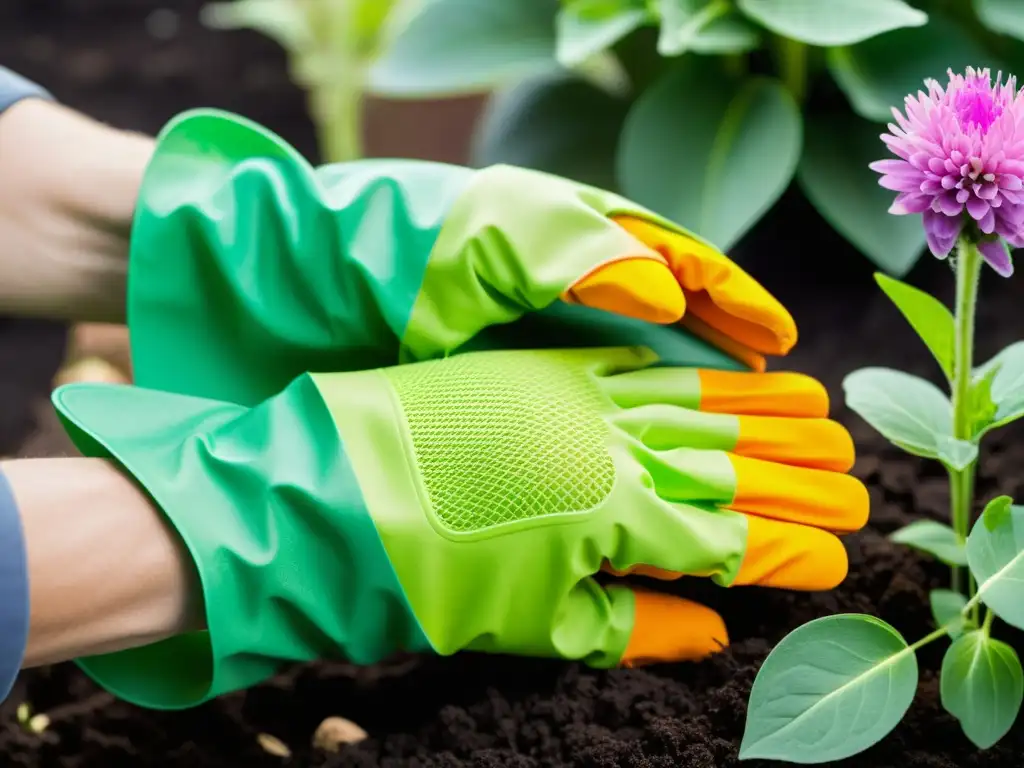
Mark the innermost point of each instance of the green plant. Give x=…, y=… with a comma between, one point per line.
x=330, y=44
x=704, y=110
x=837, y=685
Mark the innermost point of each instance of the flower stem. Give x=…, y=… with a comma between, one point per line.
x=961, y=488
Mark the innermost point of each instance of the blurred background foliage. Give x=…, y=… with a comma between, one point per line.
x=706, y=111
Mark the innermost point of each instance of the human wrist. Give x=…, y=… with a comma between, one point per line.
x=65, y=212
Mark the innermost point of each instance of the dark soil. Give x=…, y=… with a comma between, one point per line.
x=493, y=711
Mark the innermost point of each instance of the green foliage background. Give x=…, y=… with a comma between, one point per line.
x=704, y=110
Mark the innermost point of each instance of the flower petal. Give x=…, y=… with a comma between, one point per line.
x=997, y=256
x=941, y=232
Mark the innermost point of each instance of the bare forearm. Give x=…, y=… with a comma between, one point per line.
x=66, y=203
x=105, y=570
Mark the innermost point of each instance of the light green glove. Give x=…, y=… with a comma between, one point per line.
x=468, y=503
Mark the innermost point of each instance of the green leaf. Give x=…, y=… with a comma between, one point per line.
x=1005, y=373
x=997, y=512
x=877, y=74
x=704, y=26
x=982, y=686
x=947, y=610
x=847, y=195
x=587, y=27
x=1003, y=16
x=285, y=23
x=927, y=315
x=934, y=538
x=836, y=22
x=553, y=123
x=956, y=454
x=830, y=689
x=709, y=152
x=996, y=558
x=983, y=408
x=454, y=47
x=910, y=412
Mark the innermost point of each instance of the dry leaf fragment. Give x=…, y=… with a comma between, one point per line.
x=334, y=732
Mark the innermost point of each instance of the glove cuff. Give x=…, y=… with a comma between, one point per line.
x=291, y=564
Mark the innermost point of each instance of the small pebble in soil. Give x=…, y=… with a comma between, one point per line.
x=336, y=732
x=90, y=369
x=273, y=745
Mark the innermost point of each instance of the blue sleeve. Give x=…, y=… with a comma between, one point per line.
x=14, y=605
x=14, y=87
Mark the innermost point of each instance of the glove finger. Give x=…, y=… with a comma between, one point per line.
x=742, y=393
x=668, y=628
x=831, y=500
x=819, y=443
x=642, y=288
x=718, y=291
x=779, y=554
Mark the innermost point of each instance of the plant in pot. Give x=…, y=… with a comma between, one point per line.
x=703, y=110
x=838, y=684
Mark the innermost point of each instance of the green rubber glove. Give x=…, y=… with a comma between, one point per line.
x=248, y=267
x=467, y=504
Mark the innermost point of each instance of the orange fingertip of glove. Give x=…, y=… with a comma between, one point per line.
x=641, y=287
x=816, y=497
x=718, y=291
x=790, y=556
x=668, y=628
x=780, y=393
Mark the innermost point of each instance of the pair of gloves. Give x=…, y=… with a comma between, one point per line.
x=399, y=405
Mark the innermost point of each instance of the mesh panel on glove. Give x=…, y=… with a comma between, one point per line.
x=492, y=436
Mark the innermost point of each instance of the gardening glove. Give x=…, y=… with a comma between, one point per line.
x=467, y=504
x=248, y=267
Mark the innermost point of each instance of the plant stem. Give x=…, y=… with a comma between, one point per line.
x=961, y=482
x=931, y=637
x=987, y=626
x=338, y=114
x=792, y=63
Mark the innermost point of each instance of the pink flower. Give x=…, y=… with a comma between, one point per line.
x=961, y=164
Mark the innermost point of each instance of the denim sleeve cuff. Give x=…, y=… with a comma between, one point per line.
x=14, y=88
x=14, y=602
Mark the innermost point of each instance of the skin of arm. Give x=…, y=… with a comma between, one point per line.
x=66, y=204
x=106, y=571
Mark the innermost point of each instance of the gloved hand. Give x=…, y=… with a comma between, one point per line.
x=248, y=268
x=467, y=504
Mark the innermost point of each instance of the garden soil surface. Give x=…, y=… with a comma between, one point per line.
x=474, y=710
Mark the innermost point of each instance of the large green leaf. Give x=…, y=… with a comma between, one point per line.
x=830, y=689
x=553, y=123
x=1005, y=372
x=910, y=412
x=947, y=610
x=587, y=27
x=927, y=315
x=453, y=47
x=712, y=153
x=846, y=192
x=934, y=538
x=996, y=558
x=982, y=686
x=832, y=22
x=877, y=74
x=1005, y=16
x=704, y=26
